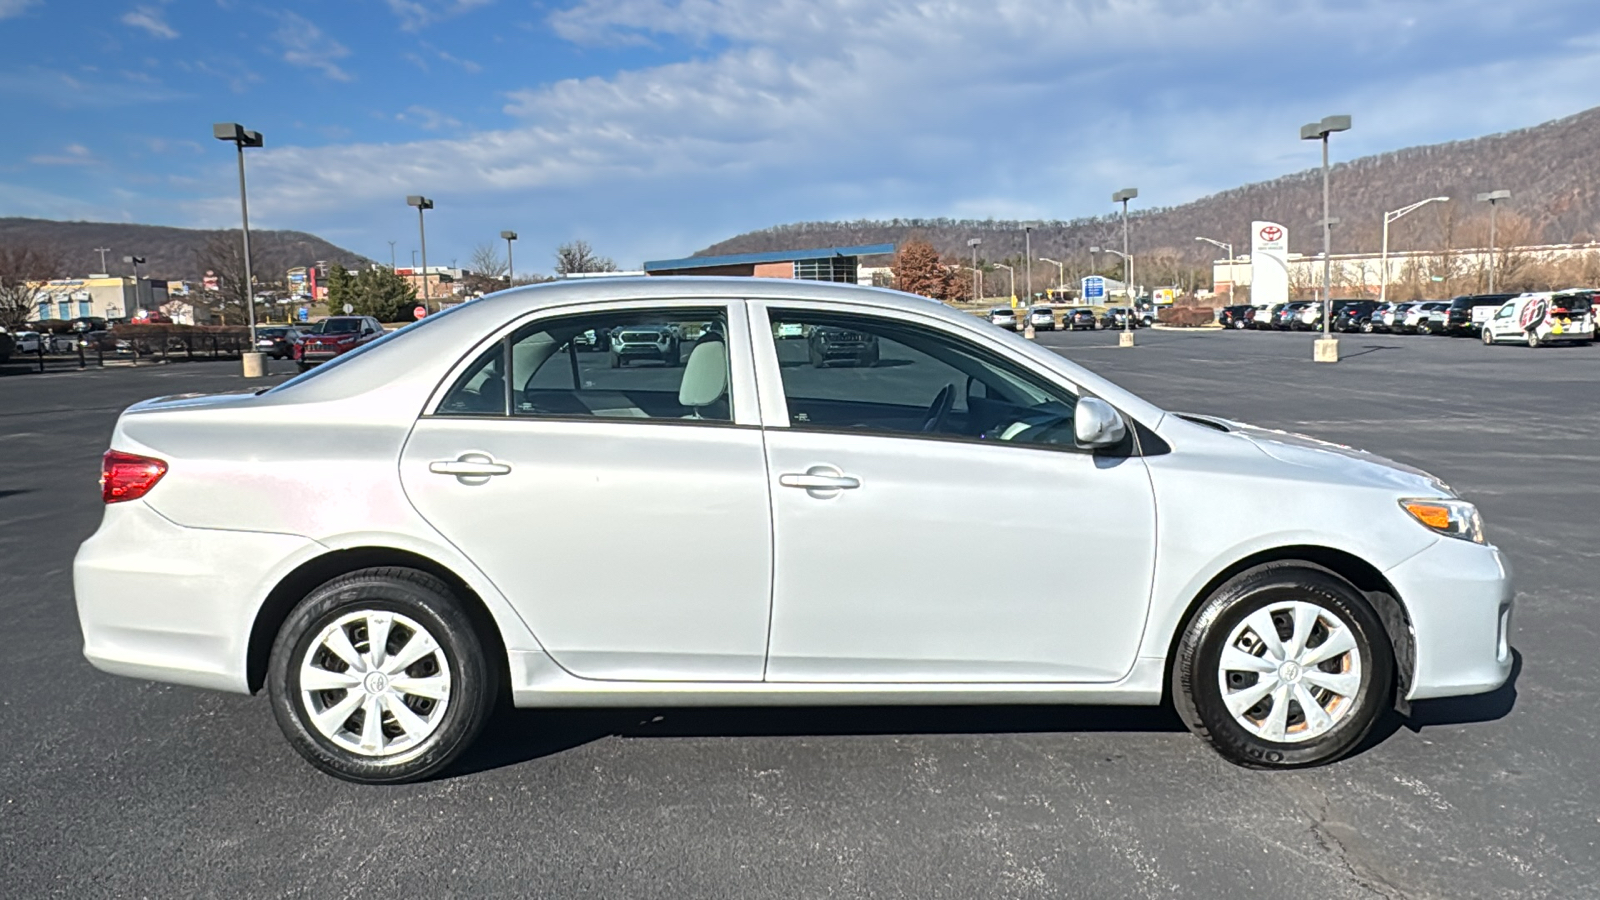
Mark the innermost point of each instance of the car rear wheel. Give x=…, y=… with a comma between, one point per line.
x=1239, y=324
x=1533, y=339
x=1285, y=666
x=378, y=677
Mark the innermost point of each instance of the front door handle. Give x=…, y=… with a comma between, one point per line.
x=469, y=468
x=820, y=481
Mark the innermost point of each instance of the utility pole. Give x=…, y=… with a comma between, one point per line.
x=391, y=256
x=103, y=251
x=510, y=270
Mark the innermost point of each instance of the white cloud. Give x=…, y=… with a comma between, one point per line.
x=429, y=119
x=791, y=109
x=150, y=18
x=416, y=14
x=70, y=155
x=10, y=8
x=307, y=46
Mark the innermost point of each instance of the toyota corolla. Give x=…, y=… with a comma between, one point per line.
x=394, y=540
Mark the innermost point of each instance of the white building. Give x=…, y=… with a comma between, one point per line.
x=1356, y=274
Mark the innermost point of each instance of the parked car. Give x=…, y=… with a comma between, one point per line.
x=644, y=343
x=334, y=337
x=1288, y=315
x=1042, y=318
x=1265, y=316
x=1467, y=314
x=1427, y=317
x=1004, y=317
x=1394, y=319
x=8, y=344
x=826, y=344
x=1543, y=318
x=1080, y=318
x=595, y=340
x=388, y=597
x=277, y=341
x=1353, y=315
x=1236, y=316
x=28, y=342
x=1116, y=317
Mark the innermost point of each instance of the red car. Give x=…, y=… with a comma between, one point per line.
x=334, y=336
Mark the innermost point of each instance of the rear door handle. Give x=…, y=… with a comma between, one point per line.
x=820, y=481
x=469, y=468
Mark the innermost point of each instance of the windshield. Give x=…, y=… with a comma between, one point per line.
x=337, y=326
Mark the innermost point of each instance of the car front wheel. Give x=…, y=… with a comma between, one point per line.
x=1486, y=335
x=378, y=677
x=1285, y=666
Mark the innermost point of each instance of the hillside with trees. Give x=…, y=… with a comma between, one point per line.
x=177, y=253
x=1552, y=170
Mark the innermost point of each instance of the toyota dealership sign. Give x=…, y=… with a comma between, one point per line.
x=1269, y=264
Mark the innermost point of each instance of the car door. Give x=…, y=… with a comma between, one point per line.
x=912, y=498
x=1504, y=322
x=623, y=512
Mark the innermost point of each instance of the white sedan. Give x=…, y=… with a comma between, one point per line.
x=470, y=507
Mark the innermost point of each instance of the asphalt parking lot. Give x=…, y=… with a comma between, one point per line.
x=115, y=787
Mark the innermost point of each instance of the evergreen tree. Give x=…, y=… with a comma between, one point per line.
x=382, y=294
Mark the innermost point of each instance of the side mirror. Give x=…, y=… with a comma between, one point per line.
x=1096, y=424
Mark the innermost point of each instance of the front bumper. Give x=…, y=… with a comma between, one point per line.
x=1459, y=599
x=160, y=601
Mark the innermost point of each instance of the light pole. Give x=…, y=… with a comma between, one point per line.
x=1061, y=274
x=255, y=364
x=1492, y=198
x=977, y=287
x=1123, y=196
x=391, y=256
x=1013, y=273
x=1027, y=256
x=1327, y=349
x=1127, y=262
x=137, y=261
x=1383, y=264
x=1233, y=283
x=510, y=270
x=102, y=251
x=422, y=203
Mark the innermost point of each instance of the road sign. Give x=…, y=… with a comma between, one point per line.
x=1094, y=287
x=348, y=309
x=419, y=312
x=304, y=315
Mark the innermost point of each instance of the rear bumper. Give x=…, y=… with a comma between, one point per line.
x=160, y=601
x=1459, y=598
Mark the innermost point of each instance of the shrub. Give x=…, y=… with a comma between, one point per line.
x=1188, y=316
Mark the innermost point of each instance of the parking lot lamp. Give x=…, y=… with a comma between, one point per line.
x=1383, y=264
x=1061, y=273
x=241, y=137
x=1328, y=349
x=1013, y=281
x=1123, y=196
x=422, y=203
x=136, y=261
x=1233, y=282
x=510, y=269
x=977, y=288
x=1492, y=198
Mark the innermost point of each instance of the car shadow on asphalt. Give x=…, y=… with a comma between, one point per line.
x=519, y=735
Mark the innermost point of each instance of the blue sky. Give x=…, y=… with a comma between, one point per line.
x=652, y=128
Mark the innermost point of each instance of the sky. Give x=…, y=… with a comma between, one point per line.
x=653, y=128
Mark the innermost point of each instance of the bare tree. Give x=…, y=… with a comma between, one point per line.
x=222, y=255
x=577, y=257
x=25, y=273
x=487, y=260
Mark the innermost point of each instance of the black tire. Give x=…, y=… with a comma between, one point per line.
x=473, y=682
x=1533, y=340
x=817, y=359
x=1198, y=697
x=1424, y=327
x=1487, y=336
x=616, y=360
x=302, y=366
x=1239, y=324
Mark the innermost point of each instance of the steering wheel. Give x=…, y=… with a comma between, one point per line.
x=939, y=410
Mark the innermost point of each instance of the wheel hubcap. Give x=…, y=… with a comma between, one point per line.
x=375, y=683
x=1290, y=672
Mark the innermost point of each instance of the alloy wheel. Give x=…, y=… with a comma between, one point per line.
x=1290, y=672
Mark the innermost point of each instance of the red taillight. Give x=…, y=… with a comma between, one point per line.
x=127, y=476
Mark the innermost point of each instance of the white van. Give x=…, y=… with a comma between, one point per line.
x=1546, y=317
